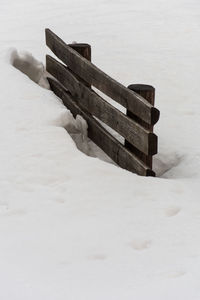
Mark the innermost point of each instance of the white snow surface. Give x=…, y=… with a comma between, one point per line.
x=73, y=226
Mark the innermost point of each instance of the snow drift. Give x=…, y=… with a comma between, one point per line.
x=74, y=226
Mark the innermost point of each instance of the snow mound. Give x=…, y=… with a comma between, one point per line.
x=27, y=64
x=77, y=128
x=68, y=220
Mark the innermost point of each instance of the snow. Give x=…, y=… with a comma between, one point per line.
x=73, y=226
x=27, y=64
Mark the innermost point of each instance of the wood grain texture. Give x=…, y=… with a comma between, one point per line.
x=148, y=92
x=135, y=134
x=94, y=76
x=114, y=149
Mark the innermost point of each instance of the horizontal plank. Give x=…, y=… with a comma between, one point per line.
x=113, y=148
x=141, y=138
x=94, y=76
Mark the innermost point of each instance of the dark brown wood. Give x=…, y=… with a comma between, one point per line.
x=113, y=148
x=94, y=76
x=83, y=49
x=148, y=92
x=141, y=138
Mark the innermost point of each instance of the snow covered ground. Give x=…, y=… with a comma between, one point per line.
x=76, y=227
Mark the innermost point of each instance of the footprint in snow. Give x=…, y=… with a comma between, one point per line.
x=172, y=211
x=173, y=274
x=97, y=257
x=140, y=244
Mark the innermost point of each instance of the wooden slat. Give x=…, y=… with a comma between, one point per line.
x=94, y=76
x=97, y=106
x=114, y=149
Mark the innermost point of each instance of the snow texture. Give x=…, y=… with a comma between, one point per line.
x=28, y=65
x=72, y=225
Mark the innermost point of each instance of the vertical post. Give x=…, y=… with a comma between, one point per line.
x=147, y=92
x=84, y=50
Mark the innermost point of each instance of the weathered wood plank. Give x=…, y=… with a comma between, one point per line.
x=114, y=149
x=94, y=76
x=97, y=106
x=148, y=92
